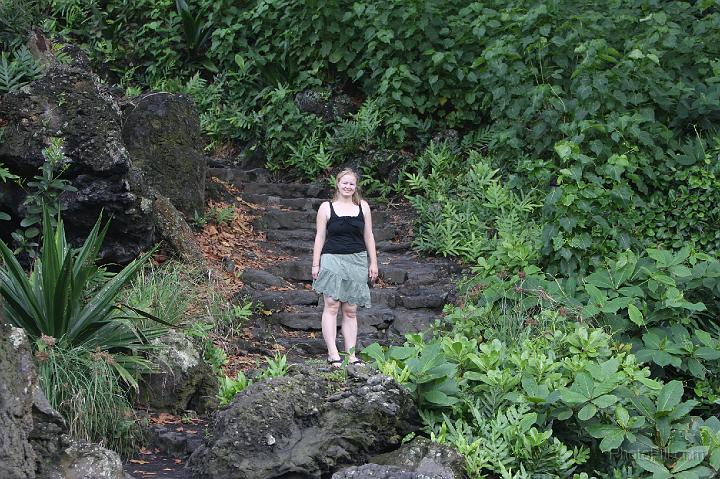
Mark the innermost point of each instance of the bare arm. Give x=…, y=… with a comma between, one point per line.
x=320, y=232
x=370, y=242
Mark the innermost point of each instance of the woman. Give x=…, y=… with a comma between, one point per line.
x=344, y=242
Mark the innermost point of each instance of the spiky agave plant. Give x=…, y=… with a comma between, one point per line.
x=60, y=299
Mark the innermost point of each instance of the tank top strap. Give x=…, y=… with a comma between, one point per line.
x=359, y=212
x=332, y=210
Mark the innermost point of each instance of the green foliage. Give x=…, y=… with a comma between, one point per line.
x=18, y=72
x=83, y=386
x=43, y=193
x=229, y=387
x=277, y=366
x=537, y=391
x=17, y=18
x=213, y=355
x=6, y=175
x=165, y=292
x=195, y=33
x=665, y=303
x=59, y=299
x=465, y=209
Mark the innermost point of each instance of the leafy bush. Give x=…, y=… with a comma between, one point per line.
x=464, y=209
x=59, y=300
x=83, y=386
x=559, y=402
x=43, y=193
x=18, y=72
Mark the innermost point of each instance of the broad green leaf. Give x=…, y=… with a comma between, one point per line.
x=587, y=412
x=612, y=440
x=651, y=464
x=691, y=458
x=605, y=401
x=670, y=396
x=439, y=398
x=635, y=315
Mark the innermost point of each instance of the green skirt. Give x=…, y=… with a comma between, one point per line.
x=344, y=277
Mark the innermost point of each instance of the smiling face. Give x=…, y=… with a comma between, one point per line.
x=346, y=185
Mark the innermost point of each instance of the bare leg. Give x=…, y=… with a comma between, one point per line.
x=349, y=329
x=329, y=326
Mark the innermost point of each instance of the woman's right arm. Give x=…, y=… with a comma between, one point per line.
x=320, y=231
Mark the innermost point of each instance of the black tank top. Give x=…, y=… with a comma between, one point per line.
x=344, y=233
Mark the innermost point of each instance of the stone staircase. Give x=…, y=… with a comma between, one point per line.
x=408, y=298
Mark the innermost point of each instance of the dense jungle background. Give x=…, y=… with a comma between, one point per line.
x=566, y=152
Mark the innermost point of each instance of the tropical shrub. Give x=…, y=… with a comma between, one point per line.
x=87, y=348
x=43, y=193
x=59, y=299
x=465, y=209
x=563, y=401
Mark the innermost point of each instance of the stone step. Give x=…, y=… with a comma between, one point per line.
x=239, y=177
x=378, y=318
x=314, y=345
x=285, y=190
x=300, y=204
x=278, y=300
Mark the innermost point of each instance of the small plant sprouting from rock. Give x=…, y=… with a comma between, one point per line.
x=229, y=387
x=276, y=367
x=43, y=192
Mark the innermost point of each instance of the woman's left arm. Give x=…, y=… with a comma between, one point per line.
x=370, y=242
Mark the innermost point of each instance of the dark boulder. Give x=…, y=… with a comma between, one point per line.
x=305, y=425
x=184, y=380
x=162, y=134
x=17, y=378
x=425, y=457
x=418, y=459
x=329, y=107
x=33, y=436
x=72, y=103
x=376, y=471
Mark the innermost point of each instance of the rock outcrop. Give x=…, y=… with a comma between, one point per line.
x=418, y=459
x=33, y=439
x=184, y=380
x=17, y=378
x=305, y=425
x=72, y=103
x=165, y=159
x=162, y=134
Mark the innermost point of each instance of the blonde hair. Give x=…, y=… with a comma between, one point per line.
x=356, y=197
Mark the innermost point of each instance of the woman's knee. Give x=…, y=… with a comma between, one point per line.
x=331, y=304
x=349, y=310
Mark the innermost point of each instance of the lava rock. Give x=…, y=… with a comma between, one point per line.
x=328, y=107
x=298, y=426
x=162, y=134
x=185, y=380
x=375, y=471
x=423, y=456
x=71, y=103
x=33, y=436
x=17, y=380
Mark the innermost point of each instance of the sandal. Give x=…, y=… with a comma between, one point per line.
x=357, y=362
x=335, y=363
